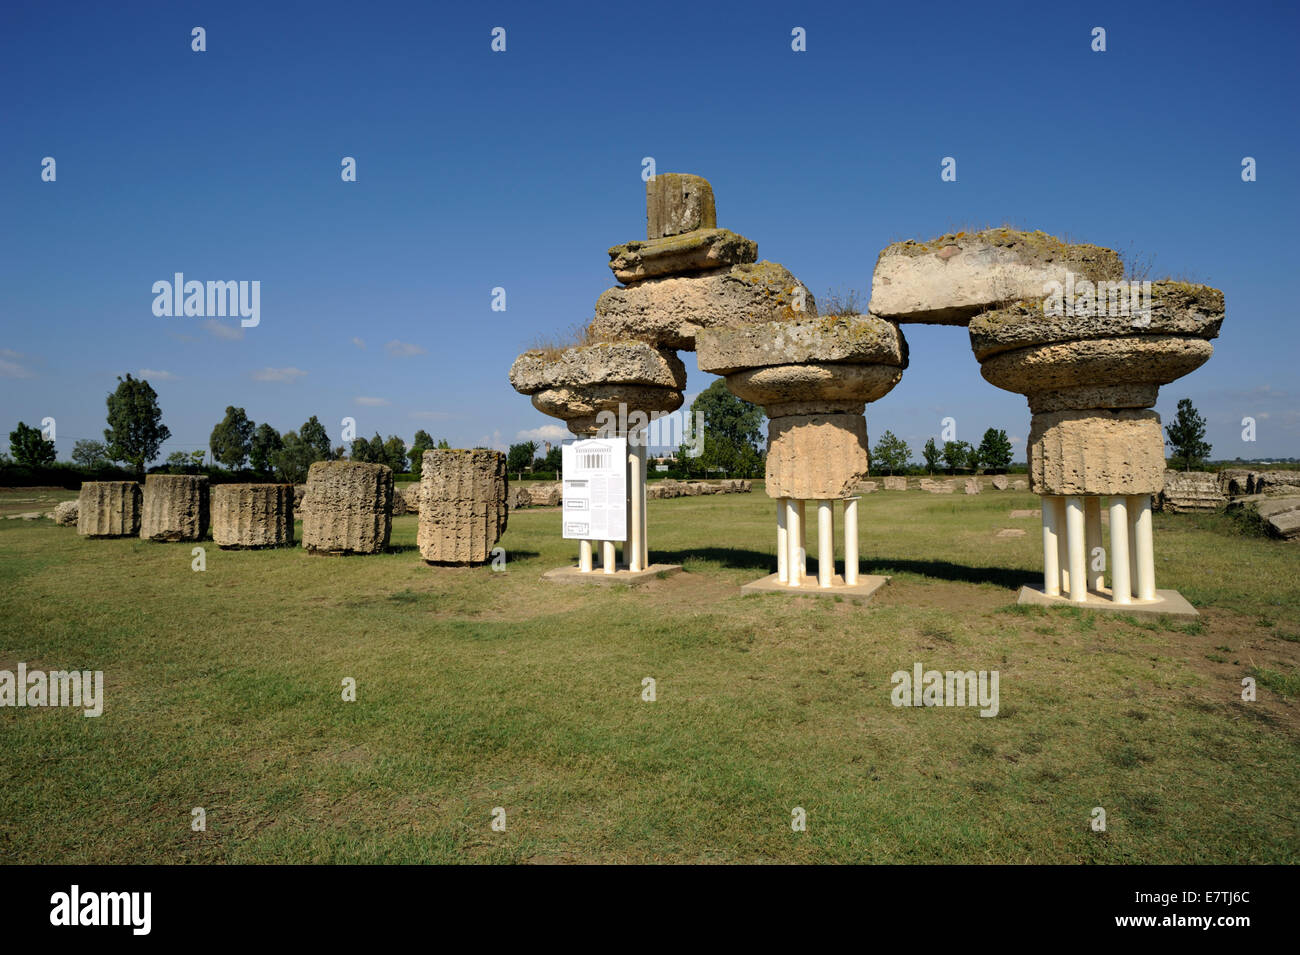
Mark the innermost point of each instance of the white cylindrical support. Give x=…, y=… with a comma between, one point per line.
x=1121, y=587
x=584, y=556
x=609, y=557
x=851, y=542
x=794, y=541
x=1075, y=543
x=825, y=543
x=633, y=550
x=1092, y=526
x=801, y=542
x=1145, y=571
x=645, y=524
x=1062, y=544
x=782, y=541
x=1051, y=548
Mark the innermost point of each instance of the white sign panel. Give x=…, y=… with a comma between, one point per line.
x=595, y=489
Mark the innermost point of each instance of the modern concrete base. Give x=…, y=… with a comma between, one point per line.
x=1168, y=602
x=572, y=575
x=867, y=585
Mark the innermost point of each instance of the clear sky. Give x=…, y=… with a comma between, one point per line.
x=519, y=169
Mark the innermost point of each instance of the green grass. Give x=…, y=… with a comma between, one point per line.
x=478, y=689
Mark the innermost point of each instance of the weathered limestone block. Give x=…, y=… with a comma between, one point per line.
x=677, y=203
x=852, y=339
x=299, y=493
x=1191, y=491
x=1280, y=514
x=517, y=497
x=1096, y=452
x=108, y=509
x=65, y=514
x=670, y=311
x=545, y=494
x=820, y=457
x=1275, y=482
x=973, y=486
x=938, y=487
x=1000, y=482
x=463, y=509
x=1235, y=482
x=698, y=251
x=868, y=487
x=951, y=279
x=1020, y=485
x=252, y=515
x=347, y=508
x=175, y=507
x=411, y=495
x=895, y=484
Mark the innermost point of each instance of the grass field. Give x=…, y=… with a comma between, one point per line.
x=476, y=690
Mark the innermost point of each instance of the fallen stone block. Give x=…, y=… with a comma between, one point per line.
x=698, y=251
x=895, y=484
x=1000, y=482
x=1191, y=491
x=174, y=508
x=463, y=508
x=252, y=516
x=65, y=514
x=347, y=508
x=109, y=509
x=973, y=486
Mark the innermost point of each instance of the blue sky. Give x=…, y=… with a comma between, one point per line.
x=519, y=169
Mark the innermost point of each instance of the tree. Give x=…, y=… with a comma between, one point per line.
x=956, y=454
x=232, y=439
x=135, y=430
x=891, y=453
x=932, y=454
x=395, y=454
x=443, y=445
x=90, y=454
x=994, y=452
x=294, y=458
x=1186, y=435
x=733, y=432
x=520, y=457
x=554, y=459
x=185, y=462
x=313, y=432
x=422, y=442
x=29, y=447
x=266, y=441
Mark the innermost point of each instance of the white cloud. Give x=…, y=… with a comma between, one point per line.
x=371, y=402
x=398, y=349
x=547, y=432
x=278, y=374
x=360, y=343
x=9, y=366
x=157, y=375
x=495, y=442
x=231, y=333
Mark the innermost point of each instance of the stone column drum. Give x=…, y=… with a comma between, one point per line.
x=1091, y=376
x=463, y=509
x=108, y=509
x=347, y=508
x=813, y=377
x=252, y=515
x=175, y=507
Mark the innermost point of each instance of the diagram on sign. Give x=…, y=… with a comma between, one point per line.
x=595, y=489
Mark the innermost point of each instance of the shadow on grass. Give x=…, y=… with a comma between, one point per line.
x=1008, y=577
x=415, y=549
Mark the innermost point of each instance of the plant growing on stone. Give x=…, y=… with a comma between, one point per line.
x=135, y=430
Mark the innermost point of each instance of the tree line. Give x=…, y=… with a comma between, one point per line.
x=136, y=433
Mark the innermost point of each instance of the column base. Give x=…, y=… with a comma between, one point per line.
x=1167, y=603
x=573, y=575
x=867, y=585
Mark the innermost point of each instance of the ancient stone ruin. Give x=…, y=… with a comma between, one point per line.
x=1048, y=319
x=65, y=514
x=252, y=515
x=108, y=509
x=347, y=508
x=463, y=508
x=175, y=507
